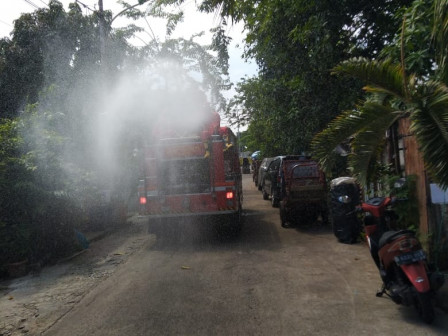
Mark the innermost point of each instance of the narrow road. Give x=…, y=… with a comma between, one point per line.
x=268, y=281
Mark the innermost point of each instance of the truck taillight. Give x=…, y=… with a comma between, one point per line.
x=229, y=194
x=142, y=200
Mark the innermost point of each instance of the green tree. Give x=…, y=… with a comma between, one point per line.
x=392, y=94
x=295, y=44
x=59, y=103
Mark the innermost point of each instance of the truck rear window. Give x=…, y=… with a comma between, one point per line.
x=185, y=176
x=305, y=171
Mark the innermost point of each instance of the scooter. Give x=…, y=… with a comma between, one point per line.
x=400, y=259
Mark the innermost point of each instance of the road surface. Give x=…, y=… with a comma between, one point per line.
x=267, y=281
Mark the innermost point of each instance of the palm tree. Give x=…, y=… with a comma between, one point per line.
x=391, y=95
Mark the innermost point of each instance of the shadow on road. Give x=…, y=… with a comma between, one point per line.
x=315, y=228
x=206, y=234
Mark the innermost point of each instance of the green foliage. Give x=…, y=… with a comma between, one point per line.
x=14, y=234
x=295, y=44
x=392, y=96
x=440, y=36
x=406, y=206
x=416, y=38
x=415, y=87
x=34, y=223
x=52, y=77
x=365, y=129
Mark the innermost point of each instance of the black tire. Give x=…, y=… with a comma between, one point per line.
x=265, y=195
x=284, y=218
x=274, y=200
x=425, y=307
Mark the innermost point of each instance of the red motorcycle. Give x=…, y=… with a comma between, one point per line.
x=400, y=259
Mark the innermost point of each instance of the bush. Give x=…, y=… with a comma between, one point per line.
x=37, y=226
x=53, y=229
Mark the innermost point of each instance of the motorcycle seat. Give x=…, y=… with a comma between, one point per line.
x=390, y=236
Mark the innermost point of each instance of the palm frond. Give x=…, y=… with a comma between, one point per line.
x=370, y=116
x=367, y=148
x=430, y=126
x=380, y=76
x=368, y=144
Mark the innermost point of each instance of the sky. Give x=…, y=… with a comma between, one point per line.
x=194, y=22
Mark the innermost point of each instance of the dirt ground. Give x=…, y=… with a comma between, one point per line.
x=32, y=304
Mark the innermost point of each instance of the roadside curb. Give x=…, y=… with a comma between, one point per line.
x=97, y=235
x=94, y=236
x=91, y=237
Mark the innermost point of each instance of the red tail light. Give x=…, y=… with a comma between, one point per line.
x=142, y=200
x=229, y=194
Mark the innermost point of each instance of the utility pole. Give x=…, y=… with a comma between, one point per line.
x=102, y=26
x=102, y=31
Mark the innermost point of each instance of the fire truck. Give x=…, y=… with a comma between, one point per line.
x=194, y=175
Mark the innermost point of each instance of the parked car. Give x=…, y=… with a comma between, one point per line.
x=269, y=182
x=255, y=168
x=272, y=182
x=303, y=193
x=262, y=170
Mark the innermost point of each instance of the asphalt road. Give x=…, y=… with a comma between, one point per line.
x=268, y=281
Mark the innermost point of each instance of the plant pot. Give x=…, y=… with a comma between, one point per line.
x=17, y=269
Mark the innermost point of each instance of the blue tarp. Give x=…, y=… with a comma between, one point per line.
x=255, y=155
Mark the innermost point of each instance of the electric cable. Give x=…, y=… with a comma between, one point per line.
x=6, y=23
x=29, y=2
x=44, y=2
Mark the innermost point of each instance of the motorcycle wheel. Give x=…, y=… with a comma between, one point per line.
x=424, y=307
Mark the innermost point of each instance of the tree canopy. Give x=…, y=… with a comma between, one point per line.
x=296, y=44
x=74, y=117
x=394, y=92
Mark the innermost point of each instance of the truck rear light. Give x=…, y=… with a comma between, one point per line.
x=229, y=194
x=142, y=200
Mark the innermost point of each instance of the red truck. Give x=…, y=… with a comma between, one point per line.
x=193, y=175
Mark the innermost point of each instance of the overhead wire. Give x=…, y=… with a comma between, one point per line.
x=5, y=23
x=44, y=2
x=29, y=2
